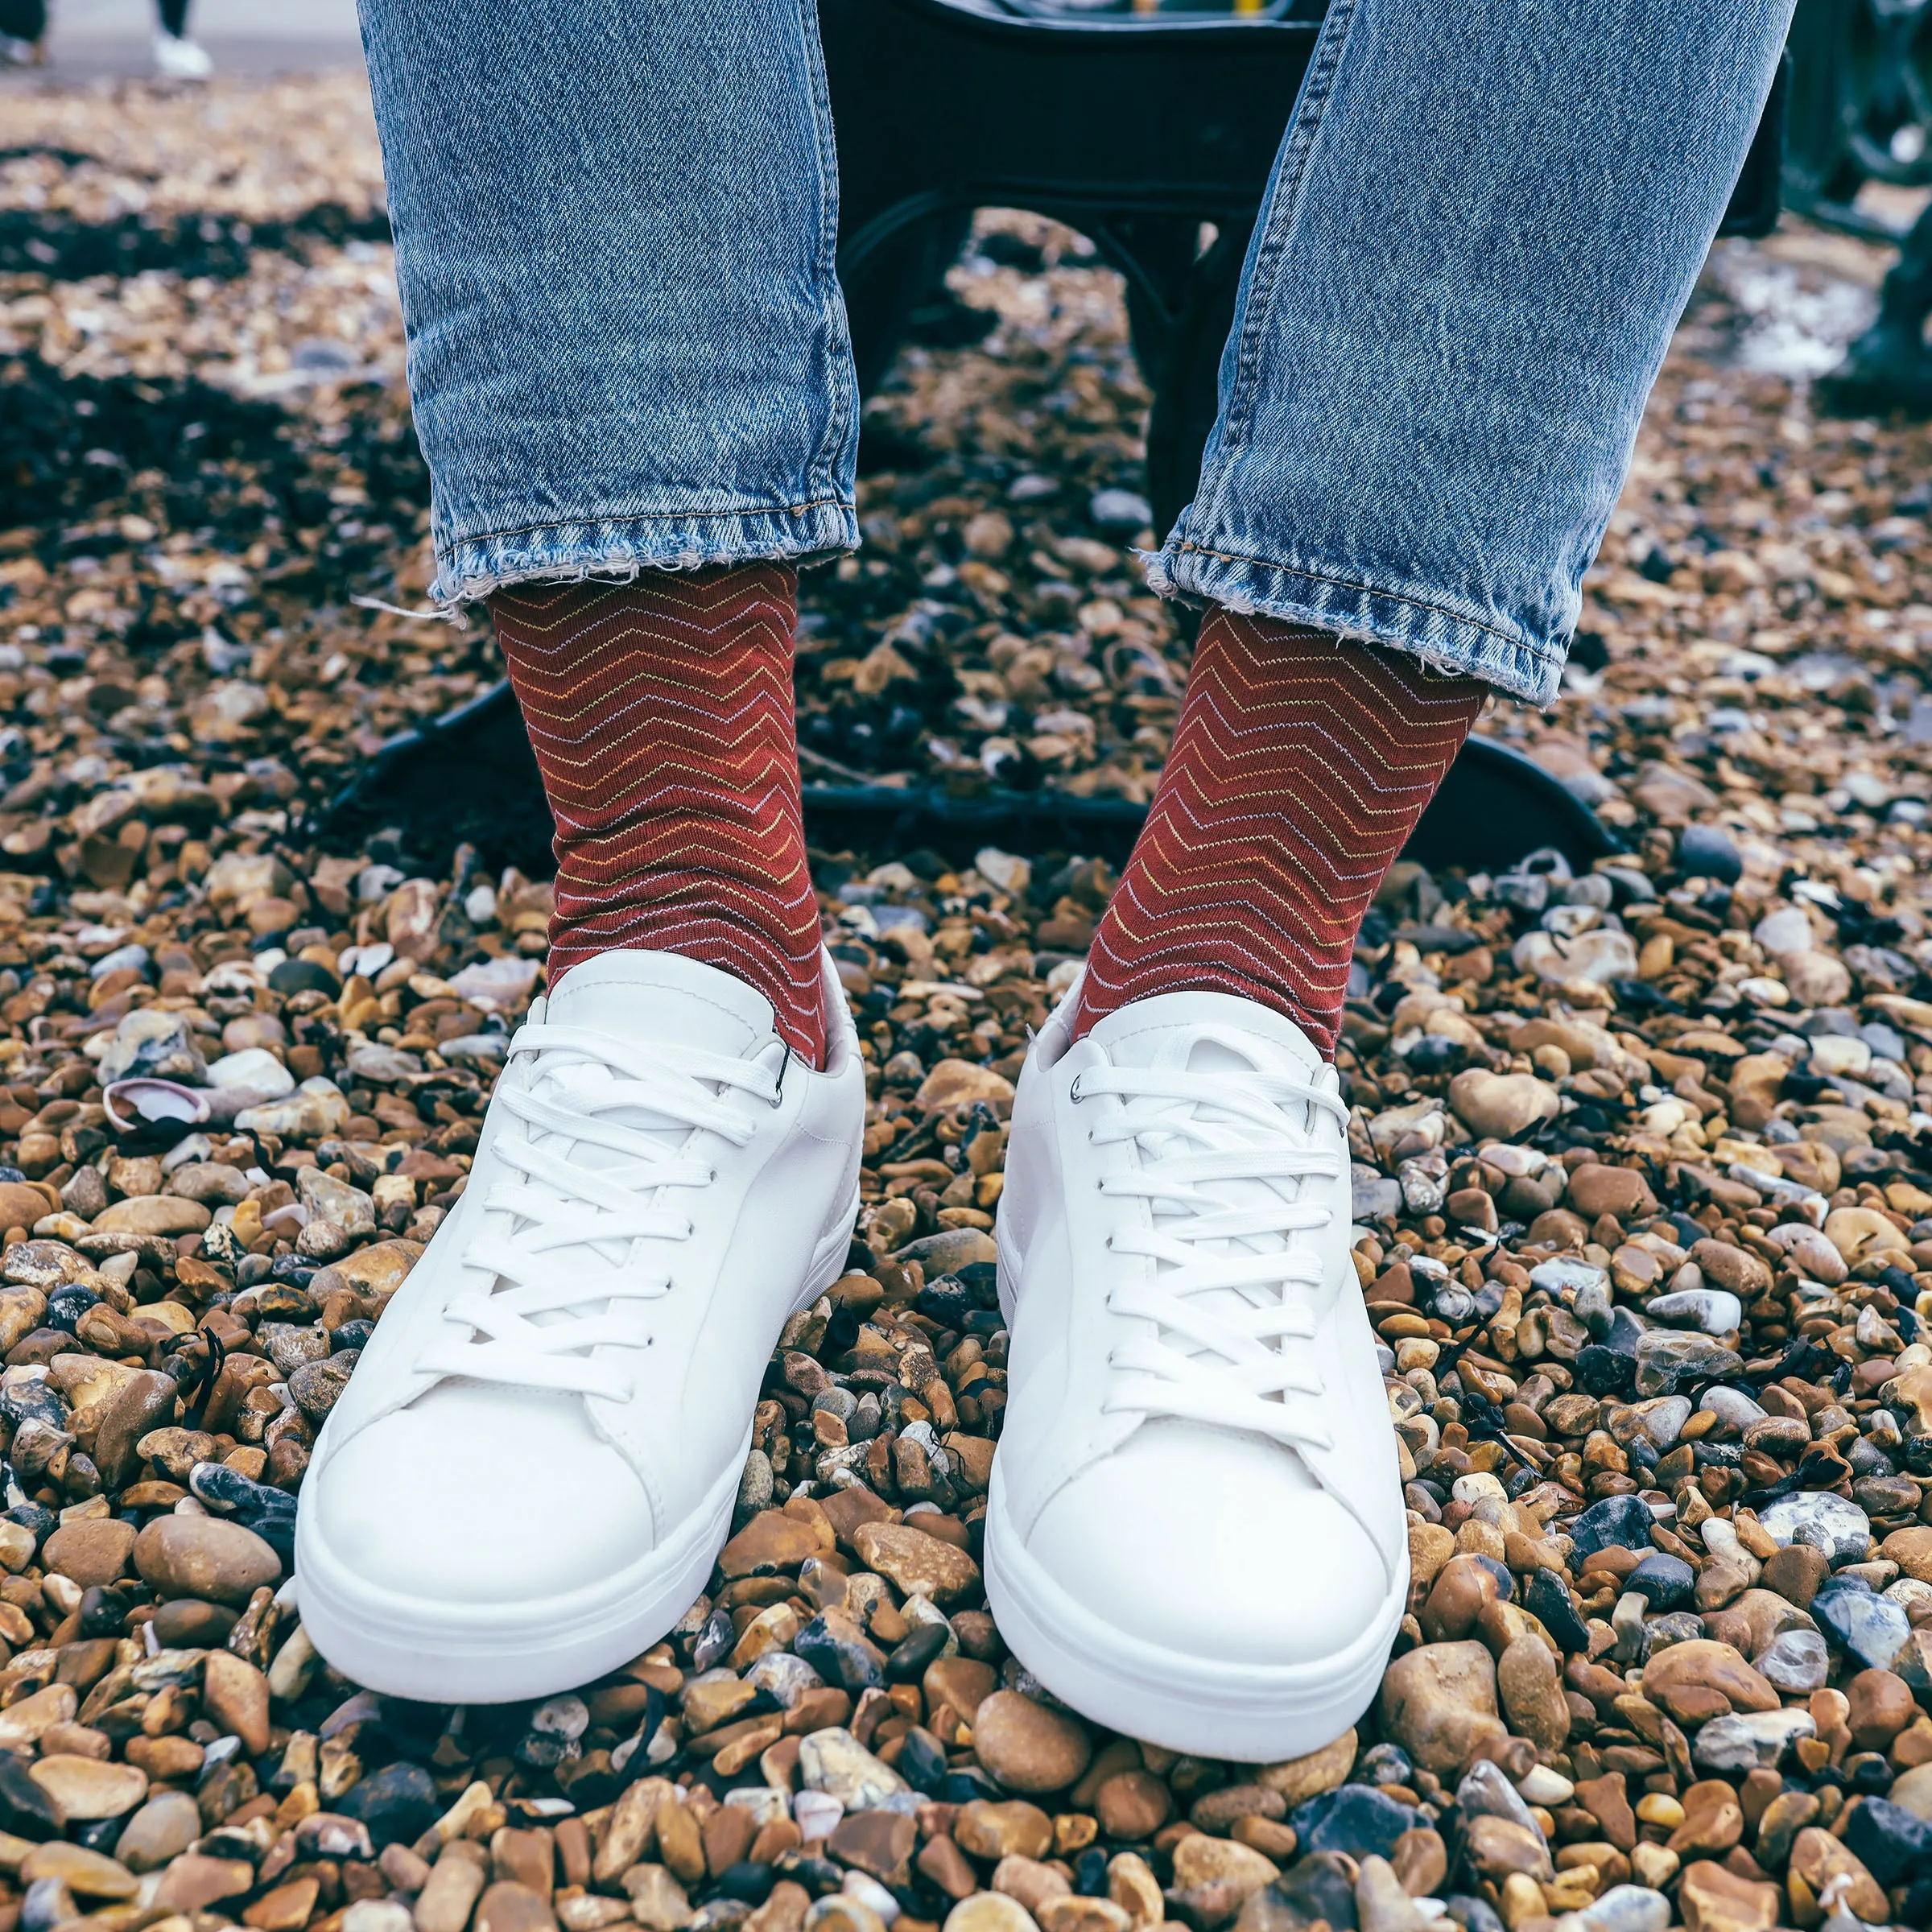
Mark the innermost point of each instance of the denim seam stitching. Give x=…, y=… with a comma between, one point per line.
x=1376, y=590
x=646, y=516
x=1272, y=248
x=840, y=382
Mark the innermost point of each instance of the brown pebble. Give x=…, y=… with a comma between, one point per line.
x=1795, y=1573
x=1027, y=1746
x=728, y=1835
x=961, y=1682
x=1421, y=1860
x=94, y=1551
x=525, y=1858
x=943, y=1862
x=1713, y=1821
x=1134, y=1804
x=507, y=1906
x=1881, y=1706
x=992, y=1830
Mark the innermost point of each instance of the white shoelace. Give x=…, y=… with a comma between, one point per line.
x=569, y=1264
x=1230, y=1282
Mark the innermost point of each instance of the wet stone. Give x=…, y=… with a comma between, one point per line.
x=1840, y=1530
x=1665, y=1582
x=1619, y=1521
x=1356, y=1819
x=204, y=1557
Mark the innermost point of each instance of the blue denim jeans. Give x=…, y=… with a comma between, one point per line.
x=615, y=226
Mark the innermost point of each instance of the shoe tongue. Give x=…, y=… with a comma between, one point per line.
x=642, y=996
x=1213, y=1033
x=1207, y=1032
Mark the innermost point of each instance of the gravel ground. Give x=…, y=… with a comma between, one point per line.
x=1644, y=1158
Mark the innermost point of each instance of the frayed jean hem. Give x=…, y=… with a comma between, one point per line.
x=617, y=549
x=1444, y=639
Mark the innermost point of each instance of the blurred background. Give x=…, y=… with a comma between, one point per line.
x=93, y=39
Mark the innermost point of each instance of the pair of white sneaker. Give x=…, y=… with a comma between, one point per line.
x=1194, y=1532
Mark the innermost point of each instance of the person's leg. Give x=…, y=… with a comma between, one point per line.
x=1486, y=217
x=628, y=357
x=661, y=712
x=1484, y=222
x=176, y=56
x=615, y=226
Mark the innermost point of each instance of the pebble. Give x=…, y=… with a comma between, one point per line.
x=989, y=1912
x=1694, y=1270
x=1713, y=1309
x=1620, y=1908
x=1795, y=1660
x=1749, y=1741
x=1355, y=1819
x=83, y=1788
x=834, y=1761
x=91, y=1552
x=1838, y=1529
x=1868, y=1626
x=1617, y=1523
x=234, y=1695
x=202, y=1556
x=1027, y=1746
x=165, y=1826
x=1439, y=1702
x=919, y=1564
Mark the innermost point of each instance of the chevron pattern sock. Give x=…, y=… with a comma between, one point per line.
x=661, y=714
x=1300, y=765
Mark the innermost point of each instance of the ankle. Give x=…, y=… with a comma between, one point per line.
x=661, y=712
x=1300, y=764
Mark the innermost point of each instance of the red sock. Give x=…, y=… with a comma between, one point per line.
x=1300, y=765
x=661, y=714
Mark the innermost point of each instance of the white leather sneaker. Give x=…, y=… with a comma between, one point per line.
x=527, y=1479
x=177, y=58
x=1194, y=1532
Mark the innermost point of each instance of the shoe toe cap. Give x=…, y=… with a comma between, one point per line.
x=481, y=1495
x=1215, y=1545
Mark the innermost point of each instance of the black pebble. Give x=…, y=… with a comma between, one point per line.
x=1546, y=1597
x=908, y=1660
x=745, y=1880
x=1665, y=1582
x=1703, y=851
x=1623, y=1520
x=1603, y=1371
x=1355, y=1819
x=397, y=1804
x=304, y=975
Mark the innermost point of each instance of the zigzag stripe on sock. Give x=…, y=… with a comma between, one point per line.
x=661, y=716
x=1301, y=762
